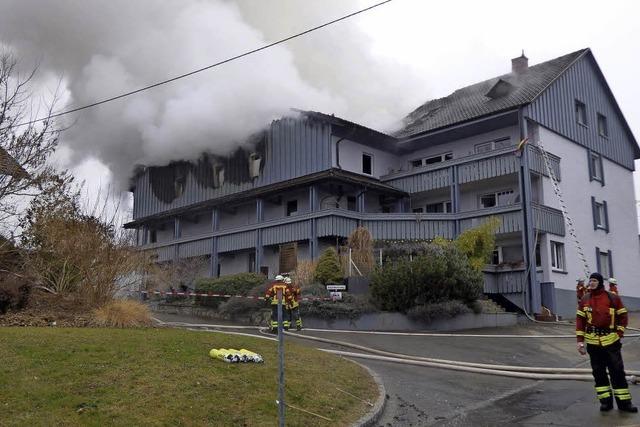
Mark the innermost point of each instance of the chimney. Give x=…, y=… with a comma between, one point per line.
x=520, y=64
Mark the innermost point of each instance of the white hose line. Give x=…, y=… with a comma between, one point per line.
x=446, y=361
x=204, y=325
x=534, y=373
x=433, y=334
x=346, y=331
x=523, y=375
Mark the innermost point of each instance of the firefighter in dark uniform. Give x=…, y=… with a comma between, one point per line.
x=272, y=297
x=600, y=322
x=294, y=307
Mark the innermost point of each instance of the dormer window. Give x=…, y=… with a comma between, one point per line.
x=500, y=89
x=218, y=176
x=254, y=165
x=179, y=181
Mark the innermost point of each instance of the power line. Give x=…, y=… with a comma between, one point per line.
x=182, y=76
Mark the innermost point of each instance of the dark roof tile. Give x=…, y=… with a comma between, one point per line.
x=472, y=101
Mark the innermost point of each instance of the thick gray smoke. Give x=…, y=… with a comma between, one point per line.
x=102, y=48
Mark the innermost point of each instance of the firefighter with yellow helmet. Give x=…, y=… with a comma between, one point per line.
x=272, y=297
x=294, y=306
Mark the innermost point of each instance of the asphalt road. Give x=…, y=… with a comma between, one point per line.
x=421, y=396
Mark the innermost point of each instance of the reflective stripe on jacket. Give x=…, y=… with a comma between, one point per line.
x=601, y=318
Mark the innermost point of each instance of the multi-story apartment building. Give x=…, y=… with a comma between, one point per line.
x=309, y=180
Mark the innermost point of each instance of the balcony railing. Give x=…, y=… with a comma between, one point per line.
x=471, y=168
x=506, y=280
x=340, y=223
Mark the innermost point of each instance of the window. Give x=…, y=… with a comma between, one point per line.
x=351, y=203
x=595, y=168
x=603, y=129
x=440, y=207
x=487, y=201
x=600, y=215
x=292, y=207
x=153, y=236
x=605, y=265
x=557, y=256
x=500, y=198
x=416, y=163
x=484, y=147
x=418, y=210
x=431, y=160
x=437, y=159
x=501, y=143
x=581, y=113
x=367, y=163
x=493, y=145
x=496, y=256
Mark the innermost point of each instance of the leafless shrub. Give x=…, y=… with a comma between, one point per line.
x=122, y=314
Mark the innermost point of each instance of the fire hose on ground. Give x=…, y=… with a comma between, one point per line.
x=537, y=373
x=523, y=372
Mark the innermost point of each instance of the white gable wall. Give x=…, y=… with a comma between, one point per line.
x=577, y=190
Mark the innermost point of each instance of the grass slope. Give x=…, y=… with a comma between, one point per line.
x=67, y=376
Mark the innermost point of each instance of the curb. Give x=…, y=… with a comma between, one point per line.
x=371, y=417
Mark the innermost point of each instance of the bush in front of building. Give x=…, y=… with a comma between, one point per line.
x=351, y=307
x=439, y=273
x=479, y=242
x=233, y=284
x=328, y=270
x=440, y=310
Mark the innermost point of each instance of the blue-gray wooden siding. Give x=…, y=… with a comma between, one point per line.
x=410, y=227
x=423, y=181
x=295, y=147
x=548, y=220
x=338, y=223
x=504, y=282
x=536, y=162
x=195, y=248
x=471, y=168
x=488, y=168
x=336, y=226
x=555, y=109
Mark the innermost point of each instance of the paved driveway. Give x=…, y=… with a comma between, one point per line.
x=421, y=396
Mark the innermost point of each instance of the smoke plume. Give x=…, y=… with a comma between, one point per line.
x=103, y=48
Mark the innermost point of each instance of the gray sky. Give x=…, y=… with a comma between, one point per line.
x=372, y=69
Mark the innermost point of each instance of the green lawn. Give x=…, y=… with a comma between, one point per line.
x=66, y=376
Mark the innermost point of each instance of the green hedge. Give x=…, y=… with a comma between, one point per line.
x=441, y=272
x=438, y=311
x=233, y=284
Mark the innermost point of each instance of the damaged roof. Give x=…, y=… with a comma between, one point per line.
x=490, y=96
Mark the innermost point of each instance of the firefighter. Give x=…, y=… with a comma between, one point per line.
x=580, y=289
x=600, y=322
x=613, y=285
x=272, y=297
x=294, y=307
